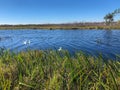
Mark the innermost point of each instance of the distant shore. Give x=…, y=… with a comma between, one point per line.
x=68, y=26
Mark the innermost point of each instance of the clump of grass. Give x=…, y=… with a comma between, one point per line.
x=53, y=70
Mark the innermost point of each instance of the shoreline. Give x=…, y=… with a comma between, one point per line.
x=90, y=26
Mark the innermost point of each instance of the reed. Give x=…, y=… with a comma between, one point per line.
x=57, y=70
x=67, y=26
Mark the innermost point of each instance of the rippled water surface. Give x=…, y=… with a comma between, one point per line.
x=93, y=42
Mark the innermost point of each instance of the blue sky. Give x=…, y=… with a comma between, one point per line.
x=55, y=11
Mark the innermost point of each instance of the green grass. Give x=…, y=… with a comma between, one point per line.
x=53, y=70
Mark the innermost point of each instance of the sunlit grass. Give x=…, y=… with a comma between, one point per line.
x=57, y=70
x=72, y=26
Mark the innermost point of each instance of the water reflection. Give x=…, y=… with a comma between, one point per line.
x=108, y=37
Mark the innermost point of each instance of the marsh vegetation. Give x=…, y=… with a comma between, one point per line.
x=67, y=26
x=57, y=70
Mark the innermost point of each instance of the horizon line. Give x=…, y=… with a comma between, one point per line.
x=54, y=23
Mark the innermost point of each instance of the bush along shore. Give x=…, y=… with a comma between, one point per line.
x=57, y=70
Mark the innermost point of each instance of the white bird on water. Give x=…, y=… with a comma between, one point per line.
x=60, y=48
x=26, y=42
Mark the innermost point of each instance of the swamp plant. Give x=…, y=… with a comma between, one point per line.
x=57, y=70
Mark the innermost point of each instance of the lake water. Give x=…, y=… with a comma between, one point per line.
x=93, y=42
